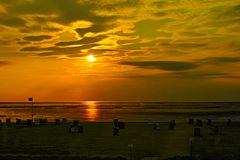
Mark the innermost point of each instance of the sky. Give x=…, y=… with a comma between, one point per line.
x=144, y=50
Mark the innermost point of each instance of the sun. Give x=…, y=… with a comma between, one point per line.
x=91, y=58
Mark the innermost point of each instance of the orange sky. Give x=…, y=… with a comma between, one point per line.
x=145, y=50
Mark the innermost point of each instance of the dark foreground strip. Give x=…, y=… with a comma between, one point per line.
x=59, y=158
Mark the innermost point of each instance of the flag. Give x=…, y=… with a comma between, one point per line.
x=30, y=99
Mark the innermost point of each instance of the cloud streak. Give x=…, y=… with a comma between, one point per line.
x=4, y=63
x=37, y=38
x=163, y=65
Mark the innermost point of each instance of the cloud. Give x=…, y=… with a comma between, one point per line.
x=163, y=65
x=220, y=60
x=51, y=51
x=66, y=11
x=4, y=63
x=94, y=29
x=23, y=42
x=32, y=49
x=84, y=40
x=201, y=75
x=160, y=4
x=182, y=45
x=38, y=28
x=37, y=38
x=13, y=22
x=150, y=28
x=192, y=34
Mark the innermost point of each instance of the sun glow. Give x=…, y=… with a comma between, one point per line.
x=91, y=58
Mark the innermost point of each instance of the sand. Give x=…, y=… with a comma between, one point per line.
x=98, y=140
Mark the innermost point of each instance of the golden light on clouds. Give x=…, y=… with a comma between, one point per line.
x=145, y=44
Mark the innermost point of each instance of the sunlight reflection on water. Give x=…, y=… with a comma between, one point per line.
x=92, y=111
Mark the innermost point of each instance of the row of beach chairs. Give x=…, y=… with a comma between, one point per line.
x=30, y=122
x=76, y=127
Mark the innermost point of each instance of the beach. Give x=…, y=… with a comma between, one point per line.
x=97, y=140
x=106, y=111
x=139, y=140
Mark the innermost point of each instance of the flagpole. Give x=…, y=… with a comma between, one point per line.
x=32, y=111
x=30, y=99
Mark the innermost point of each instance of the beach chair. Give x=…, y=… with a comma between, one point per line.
x=156, y=126
x=29, y=122
x=215, y=130
x=75, y=129
x=80, y=129
x=76, y=122
x=57, y=121
x=8, y=121
x=173, y=122
x=36, y=121
x=115, y=123
x=191, y=121
x=18, y=121
x=199, y=123
x=197, y=132
x=44, y=121
x=71, y=128
x=151, y=121
x=115, y=131
x=229, y=121
x=121, y=125
x=171, y=126
x=209, y=122
x=64, y=120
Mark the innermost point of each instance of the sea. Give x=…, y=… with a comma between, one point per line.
x=106, y=111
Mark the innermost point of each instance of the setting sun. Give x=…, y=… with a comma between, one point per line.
x=91, y=58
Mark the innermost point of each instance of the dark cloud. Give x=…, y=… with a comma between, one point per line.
x=184, y=75
x=182, y=45
x=163, y=65
x=223, y=16
x=120, y=4
x=94, y=29
x=136, y=44
x=23, y=42
x=190, y=45
x=13, y=22
x=136, y=53
x=106, y=52
x=4, y=63
x=160, y=4
x=67, y=11
x=150, y=28
x=220, y=60
x=173, y=52
x=192, y=34
x=230, y=11
x=32, y=49
x=160, y=14
x=39, y=28
x=85, y=40
x=37, y=38
x=200, y=75
x=52, y=51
